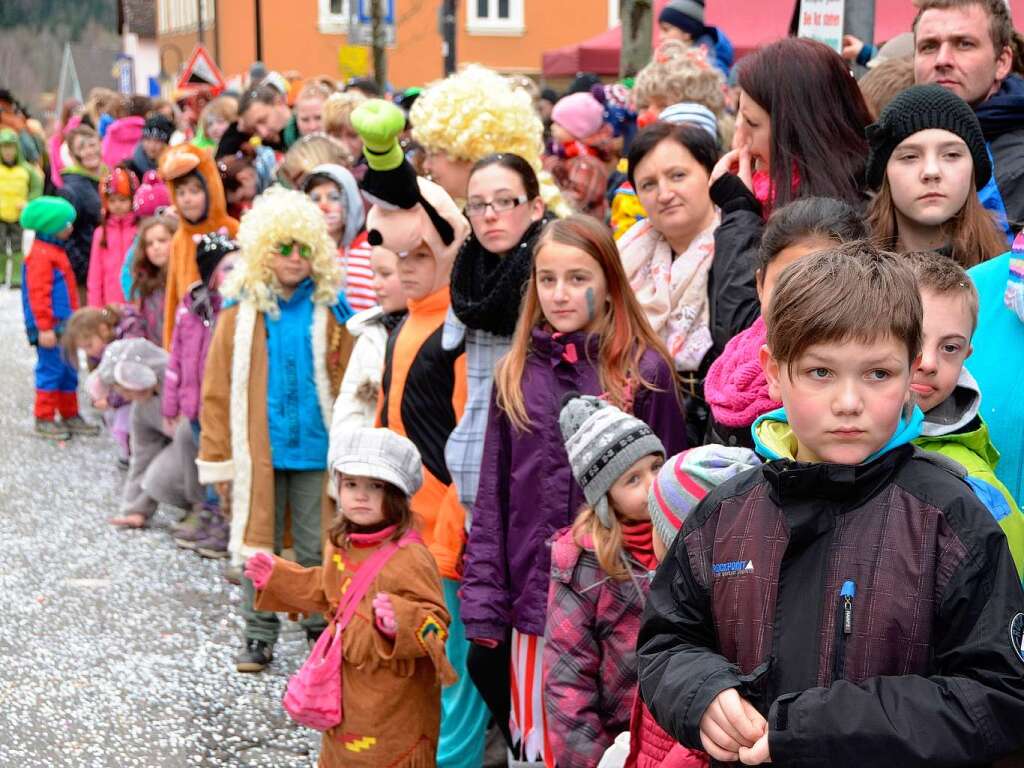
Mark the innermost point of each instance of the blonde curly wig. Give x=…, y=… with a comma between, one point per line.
x=477, y=112
x=680, y=72
x=280, y=216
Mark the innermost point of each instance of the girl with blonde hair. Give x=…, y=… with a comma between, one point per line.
x=273, y=348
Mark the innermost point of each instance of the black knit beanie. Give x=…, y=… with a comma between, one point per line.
x=917, y=109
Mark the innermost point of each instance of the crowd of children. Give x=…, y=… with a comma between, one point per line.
x=664, y=423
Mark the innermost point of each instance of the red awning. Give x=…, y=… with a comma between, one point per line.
x=753, y=25
x=599, y=54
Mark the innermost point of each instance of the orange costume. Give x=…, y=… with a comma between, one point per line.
x=182, y=270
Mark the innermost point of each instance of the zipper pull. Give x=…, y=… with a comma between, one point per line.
x=847, y=594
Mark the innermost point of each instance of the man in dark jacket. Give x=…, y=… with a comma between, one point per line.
x=968, y=46
x=850, y=602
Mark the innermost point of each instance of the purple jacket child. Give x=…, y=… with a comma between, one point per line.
x=193, y=330
x=527, y=490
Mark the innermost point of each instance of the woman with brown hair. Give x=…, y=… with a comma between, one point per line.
x=927, y=161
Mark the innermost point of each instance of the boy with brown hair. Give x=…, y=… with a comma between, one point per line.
x=849, y=602
x=949, y=395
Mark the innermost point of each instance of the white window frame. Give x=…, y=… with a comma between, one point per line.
x=178, y=16
x=613, y=14
x=513, y=26
x=333, y=23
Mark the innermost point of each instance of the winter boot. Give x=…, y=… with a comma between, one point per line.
x=214, y=545
x=189, y=538
x=255, y=657
x=76, y=425
x=52, y=430
x=188, y=523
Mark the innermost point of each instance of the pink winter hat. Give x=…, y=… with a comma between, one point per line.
x=580, y=114
x=151, y=195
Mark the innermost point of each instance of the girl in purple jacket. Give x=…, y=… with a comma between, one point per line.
x=580, y=330
x=206, y=531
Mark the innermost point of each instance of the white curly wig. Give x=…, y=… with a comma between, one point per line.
x=279, y=216
x=477, y=112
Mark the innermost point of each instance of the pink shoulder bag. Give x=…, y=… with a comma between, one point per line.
x=313, y=697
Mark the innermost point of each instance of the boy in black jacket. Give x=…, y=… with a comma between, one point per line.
x=851, y=602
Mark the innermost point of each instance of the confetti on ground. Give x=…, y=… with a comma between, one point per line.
x=117, y=646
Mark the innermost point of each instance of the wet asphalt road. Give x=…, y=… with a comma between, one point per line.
x=116, y=647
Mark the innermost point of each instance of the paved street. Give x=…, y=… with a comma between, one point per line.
x=115, y=647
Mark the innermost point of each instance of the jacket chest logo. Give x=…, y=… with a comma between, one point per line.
x=732, y=568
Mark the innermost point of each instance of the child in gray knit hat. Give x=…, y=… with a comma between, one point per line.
x=600, y=573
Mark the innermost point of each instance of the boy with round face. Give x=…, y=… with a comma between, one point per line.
x=769, y=579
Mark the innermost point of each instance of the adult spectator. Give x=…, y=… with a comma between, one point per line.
x=259, y=116
x=970, y=48
x=81, y=189
x=156, y=137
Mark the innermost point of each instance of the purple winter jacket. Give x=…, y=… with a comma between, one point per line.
x=527, y=491
x=193, y=330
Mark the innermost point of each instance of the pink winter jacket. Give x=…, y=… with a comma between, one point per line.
x=103, y=285
x=120, y=139
x=190, y=342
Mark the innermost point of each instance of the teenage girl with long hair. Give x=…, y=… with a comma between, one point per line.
x=580, y=330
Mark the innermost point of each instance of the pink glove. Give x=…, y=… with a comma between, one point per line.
x=384, y=615
x=258, y=569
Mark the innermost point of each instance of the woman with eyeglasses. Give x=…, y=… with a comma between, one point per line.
x=506, y=214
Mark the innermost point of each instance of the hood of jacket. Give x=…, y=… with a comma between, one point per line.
x=774, y=438
x=956, y=411
x=1004, y=111
x=127, y=130
x=71, y=172
x=8, y=136
x=355, y=212
x=183, y=159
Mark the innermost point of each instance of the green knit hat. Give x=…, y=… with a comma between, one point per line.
x=47, y=215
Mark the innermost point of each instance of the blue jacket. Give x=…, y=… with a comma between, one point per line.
x=298, y=438
x=998, y=366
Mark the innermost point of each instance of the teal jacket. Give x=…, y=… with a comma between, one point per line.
x=998, y=367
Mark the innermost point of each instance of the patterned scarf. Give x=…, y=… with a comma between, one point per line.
x=672, y=290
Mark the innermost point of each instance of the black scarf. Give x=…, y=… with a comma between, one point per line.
x=487, y=289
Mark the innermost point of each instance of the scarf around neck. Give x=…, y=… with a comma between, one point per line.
x=486, y=288
x=672, y=290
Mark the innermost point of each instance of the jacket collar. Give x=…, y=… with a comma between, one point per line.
x=848, y=485
x=437, y=301
x=567, y=347
x=956, y=411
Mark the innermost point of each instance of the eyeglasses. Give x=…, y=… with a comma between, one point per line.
x=498, y=205
x=287, y=249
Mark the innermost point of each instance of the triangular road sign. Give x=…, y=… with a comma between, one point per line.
x=200, y=70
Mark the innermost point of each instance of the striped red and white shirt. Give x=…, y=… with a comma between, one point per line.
x=355, y=261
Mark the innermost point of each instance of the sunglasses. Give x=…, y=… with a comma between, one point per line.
x=287, y=249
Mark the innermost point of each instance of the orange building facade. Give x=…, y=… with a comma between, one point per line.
x=311, y=35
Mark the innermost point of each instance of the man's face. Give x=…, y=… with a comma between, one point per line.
x=953, y=48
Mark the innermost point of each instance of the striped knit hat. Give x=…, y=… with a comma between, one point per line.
x=687, y=478
x=602, y=443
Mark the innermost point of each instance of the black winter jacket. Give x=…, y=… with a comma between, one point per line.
x=920, y=666
x=732, y=287
x=83, y=192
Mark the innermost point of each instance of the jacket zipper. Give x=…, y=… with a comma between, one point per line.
x=844, y=627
